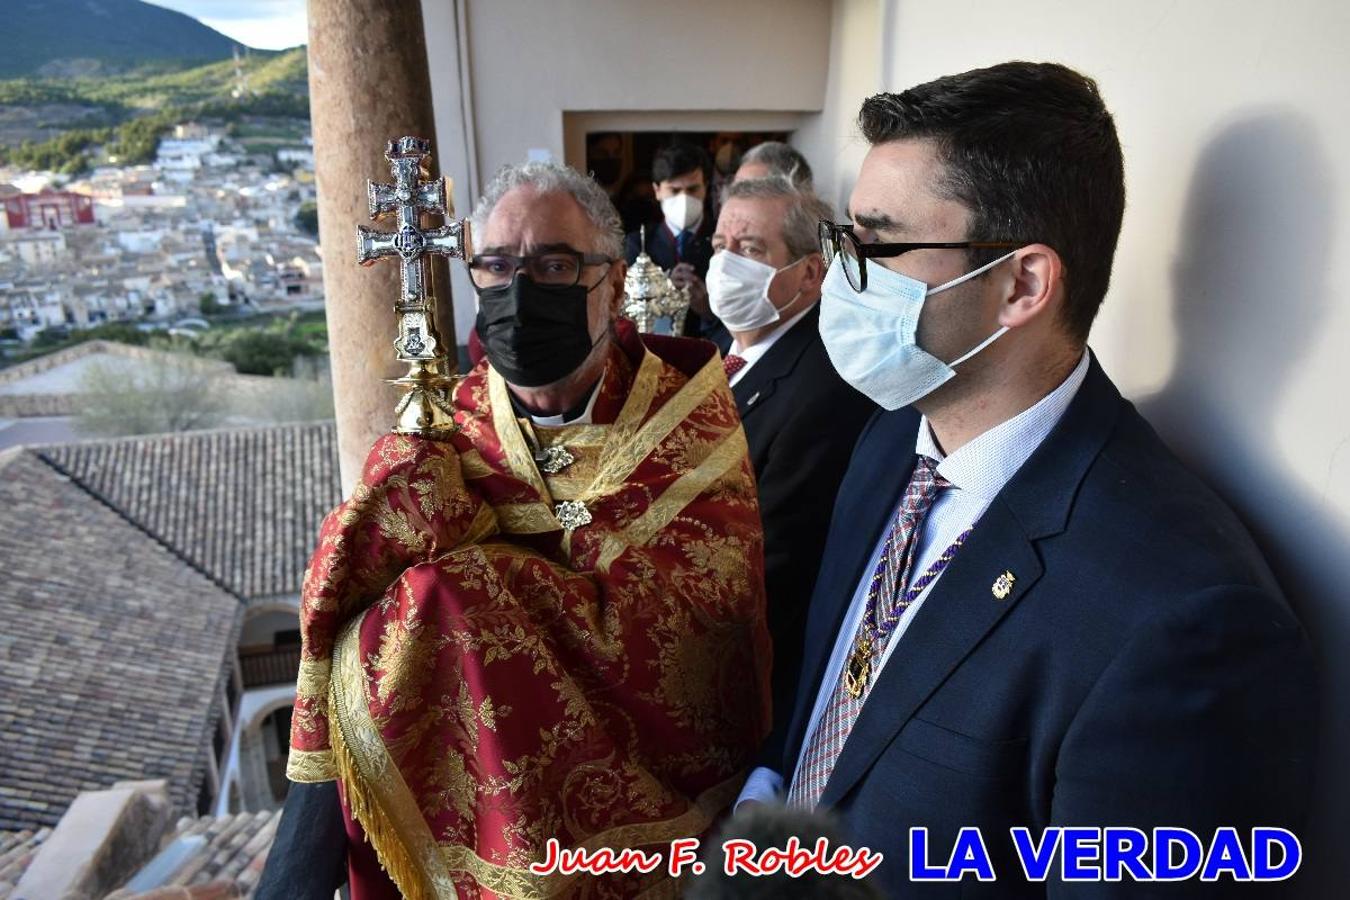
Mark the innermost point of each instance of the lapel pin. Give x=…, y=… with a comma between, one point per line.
x=753, y=398
x=1003, y=585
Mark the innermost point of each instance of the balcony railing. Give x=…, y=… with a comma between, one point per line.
x=272, y=665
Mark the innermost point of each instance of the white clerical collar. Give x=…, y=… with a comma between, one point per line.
x=984, y=465
x=561, y=418
x=761, y=347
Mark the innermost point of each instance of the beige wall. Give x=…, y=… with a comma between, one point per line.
x=830, y=140
x=1227, y=319
x=507, y=73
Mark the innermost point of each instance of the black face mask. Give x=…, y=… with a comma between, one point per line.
x=534, y=335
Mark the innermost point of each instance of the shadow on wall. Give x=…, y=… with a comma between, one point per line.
x=1250, y=295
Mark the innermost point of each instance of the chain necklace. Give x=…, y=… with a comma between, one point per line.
x=876, y=627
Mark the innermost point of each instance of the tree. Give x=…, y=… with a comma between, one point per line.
x=270, y=350
x=262, y=352
x=307, y=218
x=164, y=395
x=305, y=399
x=210, y=306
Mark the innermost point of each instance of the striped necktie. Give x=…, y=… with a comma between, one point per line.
x=885, y=602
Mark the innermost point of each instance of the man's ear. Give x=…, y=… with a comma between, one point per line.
x=1033, y=286
x=813, y=272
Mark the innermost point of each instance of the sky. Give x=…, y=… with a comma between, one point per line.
x=265, y=24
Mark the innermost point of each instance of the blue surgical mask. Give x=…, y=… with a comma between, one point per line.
x=871, y=337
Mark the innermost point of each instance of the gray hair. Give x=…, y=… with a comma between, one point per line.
x=805, y=210
x=781, y=159
x=549, y=178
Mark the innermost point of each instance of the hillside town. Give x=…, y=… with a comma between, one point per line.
x=212, y=224
x=213, y=232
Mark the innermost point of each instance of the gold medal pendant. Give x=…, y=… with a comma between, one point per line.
x=859, y=667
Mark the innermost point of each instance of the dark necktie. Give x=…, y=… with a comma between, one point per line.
x=682, y=242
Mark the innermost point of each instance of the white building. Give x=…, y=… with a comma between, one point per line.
x=37, y=249
x=184, y=154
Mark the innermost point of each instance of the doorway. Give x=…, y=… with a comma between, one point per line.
x=622, y=163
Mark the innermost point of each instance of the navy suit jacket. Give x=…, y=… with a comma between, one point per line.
x=1145, y=669
x=801, y=422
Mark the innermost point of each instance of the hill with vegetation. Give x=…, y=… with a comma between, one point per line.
x=91, y=37
x=67, y=124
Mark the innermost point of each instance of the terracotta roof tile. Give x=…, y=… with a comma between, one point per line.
x=244, y=505
x=113, y=652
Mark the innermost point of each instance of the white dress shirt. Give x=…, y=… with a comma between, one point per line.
x=977, y=472
x=756, y=351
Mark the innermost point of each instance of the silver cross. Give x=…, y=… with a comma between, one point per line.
x=410, y=196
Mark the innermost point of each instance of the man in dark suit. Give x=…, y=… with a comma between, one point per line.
x=1029, y=613
x=801, y=419
x=681, y=241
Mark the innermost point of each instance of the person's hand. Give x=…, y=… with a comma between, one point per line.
x=684, y=275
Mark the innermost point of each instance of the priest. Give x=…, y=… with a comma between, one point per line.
x=551, y=625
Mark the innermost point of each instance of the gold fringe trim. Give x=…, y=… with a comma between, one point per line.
x=380, y=832
x=396, y=851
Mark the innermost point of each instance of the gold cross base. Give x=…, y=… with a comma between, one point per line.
x=425, y=409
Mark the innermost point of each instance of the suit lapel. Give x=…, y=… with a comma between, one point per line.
x=761, y=381
x=963, y=606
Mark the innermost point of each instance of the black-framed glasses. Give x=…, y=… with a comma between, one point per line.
x=556, y=269
x=839, y=240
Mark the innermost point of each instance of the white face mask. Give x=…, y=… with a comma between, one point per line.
x=682, y=211
x=871, y=337
x=738, y=291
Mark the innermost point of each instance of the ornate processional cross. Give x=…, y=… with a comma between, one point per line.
x=425, y=409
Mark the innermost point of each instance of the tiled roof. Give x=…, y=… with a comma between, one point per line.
x=244, y=505
x=233, y=852
x=224, y=851
x=17, y=849
x=112, y=653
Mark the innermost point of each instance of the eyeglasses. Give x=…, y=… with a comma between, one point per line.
x=841, y=241
x=555, y=269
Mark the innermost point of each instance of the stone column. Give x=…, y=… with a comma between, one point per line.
x=368, y=83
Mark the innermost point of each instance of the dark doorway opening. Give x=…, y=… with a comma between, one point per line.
x=622, y=162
